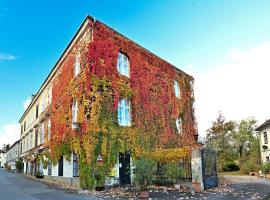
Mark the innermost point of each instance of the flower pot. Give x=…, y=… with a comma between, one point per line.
x=177, y=186
x=267, y=175
x=144, y=194
x=99, y=188
x=196, y=186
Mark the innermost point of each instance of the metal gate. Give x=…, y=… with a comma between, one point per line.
x=209, y=168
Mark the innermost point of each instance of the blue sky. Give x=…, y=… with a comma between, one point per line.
x=196, y=36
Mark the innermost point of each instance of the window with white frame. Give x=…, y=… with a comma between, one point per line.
x=49, y=168
x=42, y=133
x=176, y=89
x=124, y=116
x=77, y=65
x=50, y=95
x=179, y=125
x=49, y=129
x=123, y=64
x=31, y=140
x=265, y=137
x=75, y=165
x=74, y=111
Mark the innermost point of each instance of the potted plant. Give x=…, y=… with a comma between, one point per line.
x=144, y=174
x=100, y=180
x=266, y=170
x=39, y=175
x=174, y=173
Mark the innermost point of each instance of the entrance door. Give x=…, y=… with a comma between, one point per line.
x=60, y=166
x=124, y=168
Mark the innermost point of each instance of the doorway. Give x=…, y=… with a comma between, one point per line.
x=124, y=168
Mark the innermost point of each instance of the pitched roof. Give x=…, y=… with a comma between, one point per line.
x=267, y=122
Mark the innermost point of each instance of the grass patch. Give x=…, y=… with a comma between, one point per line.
x=233, y=173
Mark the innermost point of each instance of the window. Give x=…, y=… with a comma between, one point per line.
x=191, y=88
x=50, y=95
x=123, y=64
x=74, y=111
x=24, y=126
x=265, y=138
x=42, y=133
x=49, y=130
x=43, y=102
x=179, y=125
x=49, y=168
x=21, y=129
x=176, y=89
x=36, y=111
x=75, y=165
x=27, y=143
x=31, y=139
x=124, y=118
x=77, y=67
x=267, y=159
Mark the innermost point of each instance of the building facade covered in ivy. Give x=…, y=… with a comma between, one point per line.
x=106, y=102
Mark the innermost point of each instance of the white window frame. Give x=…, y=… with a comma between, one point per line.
x=42, y=133
x=123, y=65
x=124, y=112
x=179, y=125
x=77, y=64
x=177, y=90
x=49, y=129
x=74, y=111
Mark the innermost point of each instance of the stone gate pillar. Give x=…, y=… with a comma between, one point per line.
x=197, y=171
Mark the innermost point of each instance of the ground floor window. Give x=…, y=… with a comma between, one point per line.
x=49, y=168
x=267, y=159
x=75, y=165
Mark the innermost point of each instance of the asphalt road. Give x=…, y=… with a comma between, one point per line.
x=15, y=186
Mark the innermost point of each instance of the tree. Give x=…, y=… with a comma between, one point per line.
x=6, y=147
x=219, y=138
x=246, y=142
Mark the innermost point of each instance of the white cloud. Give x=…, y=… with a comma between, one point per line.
x=9, y=134
x=4, y=57
x=27, y=102
x=239, y=89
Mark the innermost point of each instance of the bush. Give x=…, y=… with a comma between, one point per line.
x=144, y=172
x=247, y=167
x=266, y=168
x=231, y=166
x=174, y=172
x=19, y=165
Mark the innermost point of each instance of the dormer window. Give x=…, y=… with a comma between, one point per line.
x=123, y=65
x=77, y=65
x=176, y=89
x=179, y=125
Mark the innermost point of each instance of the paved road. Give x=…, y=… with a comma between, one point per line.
x=14, y=187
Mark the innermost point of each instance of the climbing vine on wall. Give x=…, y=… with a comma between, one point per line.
x=98, y=89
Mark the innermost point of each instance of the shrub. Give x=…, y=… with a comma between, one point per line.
x=266, y=168
x=174, y=172
x=144, y=172
x=247, y=167
x=19, y=165
x=231, y=166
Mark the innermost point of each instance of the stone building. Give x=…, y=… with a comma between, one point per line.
x=105, y=90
